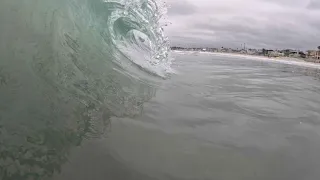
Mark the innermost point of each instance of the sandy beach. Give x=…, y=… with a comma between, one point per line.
x=283, y=60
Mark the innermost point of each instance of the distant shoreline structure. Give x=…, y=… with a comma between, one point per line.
x=312, y=56
x=283, y=60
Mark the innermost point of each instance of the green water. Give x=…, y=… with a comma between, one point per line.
x=219, y=117
x=66, y=67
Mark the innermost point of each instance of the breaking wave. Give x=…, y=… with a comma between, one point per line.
x=66, y=67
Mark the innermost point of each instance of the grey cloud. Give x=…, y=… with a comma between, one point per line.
x=229, y=28
x=314, y=4
x=315, y=24
x=258, y=23
x=287, y=3
x=181, y=8
x=241, y=33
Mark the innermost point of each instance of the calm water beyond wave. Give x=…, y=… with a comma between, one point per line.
x=219, y=117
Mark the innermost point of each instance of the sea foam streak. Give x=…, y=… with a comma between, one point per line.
x=66, y=67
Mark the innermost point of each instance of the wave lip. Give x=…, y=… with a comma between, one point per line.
x=137, y=35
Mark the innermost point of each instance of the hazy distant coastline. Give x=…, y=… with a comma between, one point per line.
x=284, y=60
x=311, y=56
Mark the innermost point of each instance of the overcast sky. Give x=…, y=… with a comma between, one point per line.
x=258, y=23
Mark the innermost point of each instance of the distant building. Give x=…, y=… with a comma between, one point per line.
x=302, y=54
x=286, y=52
x=267, y=52
x=276, y=54
x=313, y=54
x=252, y=51
x=294, y=53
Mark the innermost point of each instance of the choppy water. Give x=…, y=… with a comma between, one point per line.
x=219, y=117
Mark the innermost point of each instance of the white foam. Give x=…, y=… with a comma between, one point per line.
x=290, y=61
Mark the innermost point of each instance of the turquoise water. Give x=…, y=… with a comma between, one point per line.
x=66, y=67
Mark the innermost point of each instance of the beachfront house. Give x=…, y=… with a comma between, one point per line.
x=315, y=54
x=302, y=54
x=294, y=54
x=276, y=53
x=252, y=52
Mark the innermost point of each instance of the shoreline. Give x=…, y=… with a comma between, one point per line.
x=286, y=60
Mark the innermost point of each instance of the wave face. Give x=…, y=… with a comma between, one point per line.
x=66, y=67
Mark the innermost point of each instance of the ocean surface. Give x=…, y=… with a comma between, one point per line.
x=89, y=90
x=218, y=117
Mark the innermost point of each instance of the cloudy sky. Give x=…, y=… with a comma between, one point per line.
x=258, y=23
